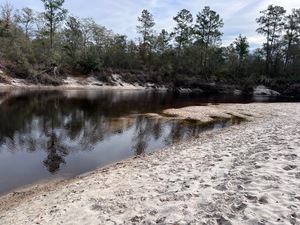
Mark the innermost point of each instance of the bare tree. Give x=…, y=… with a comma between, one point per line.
x=6, y=13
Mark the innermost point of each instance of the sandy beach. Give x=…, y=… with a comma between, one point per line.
x=243, y=174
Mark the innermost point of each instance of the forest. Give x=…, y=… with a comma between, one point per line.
x=42, y=47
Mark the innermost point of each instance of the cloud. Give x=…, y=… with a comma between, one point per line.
x=121, y=15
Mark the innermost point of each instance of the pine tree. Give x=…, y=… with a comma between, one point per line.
x=54, y=14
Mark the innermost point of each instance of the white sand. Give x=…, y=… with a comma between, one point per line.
x=244, y=174
x=85, y=83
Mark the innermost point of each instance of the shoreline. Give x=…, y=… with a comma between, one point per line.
x=70, y=83
x=117, y=83
x=244, y=174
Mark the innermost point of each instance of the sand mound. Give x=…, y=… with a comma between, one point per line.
x=209, y=113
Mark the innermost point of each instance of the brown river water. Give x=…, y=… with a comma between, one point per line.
x=53, y=134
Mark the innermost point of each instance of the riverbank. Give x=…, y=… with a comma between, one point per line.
x=115, y=82
x=129, y=82
x=244, y=174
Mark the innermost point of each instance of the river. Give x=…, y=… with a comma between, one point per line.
x=52, y=134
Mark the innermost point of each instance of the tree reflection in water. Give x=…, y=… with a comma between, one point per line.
x=141, y=135
x=55, y=155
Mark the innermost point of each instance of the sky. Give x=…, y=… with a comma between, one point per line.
x=120, y=16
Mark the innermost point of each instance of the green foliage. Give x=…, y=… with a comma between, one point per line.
x=54, y=14
x=15, y=47
x=26, y=18
x=72, y=41
x=145, y=29
x=247, y=84
x=89, y=63
x=147, y=22
x=208, y=35
x=292, y=44
x=271, y=25
x=33, y=44
x=241, y=47
x=182, y=32
x=207, y=27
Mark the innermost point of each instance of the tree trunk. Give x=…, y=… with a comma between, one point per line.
x=51, y=27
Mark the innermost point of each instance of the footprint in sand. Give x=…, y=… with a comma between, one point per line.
x=240, y=207
x=263, y=200
x=290, y=167
x=223, y=221
x=221, y=187
x=251, y=198
x=290, y=157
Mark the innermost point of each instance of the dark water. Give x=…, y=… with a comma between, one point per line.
x=49, y=134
